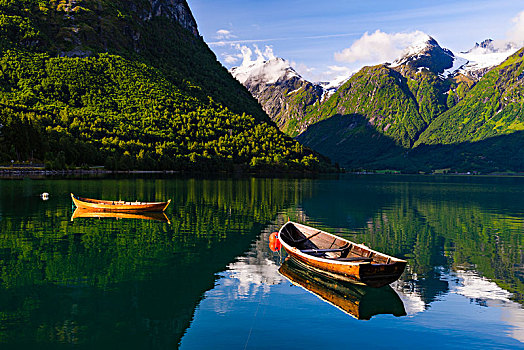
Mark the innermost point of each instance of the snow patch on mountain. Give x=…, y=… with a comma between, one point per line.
x=458, y=63
x=330, y=87
x=271, y=70
x=421, y=42
x=474, y=62
x=479, y=59
x=486, y=55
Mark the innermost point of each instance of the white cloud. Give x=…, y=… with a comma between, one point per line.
x=268, y=52
x=231, y=58
x=246, y=53
x=338, y=68
x=224, y=34
x=379, y=47
x=516, y=33
x=302, y=68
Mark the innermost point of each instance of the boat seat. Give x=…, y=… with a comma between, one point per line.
x=344, y=250
x=356, y=258
x=315, y=251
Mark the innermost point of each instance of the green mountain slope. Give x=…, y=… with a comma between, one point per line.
x=382, y=95
x=129, y=84
x=357, y=143
x=399, y=100
x=493, y=107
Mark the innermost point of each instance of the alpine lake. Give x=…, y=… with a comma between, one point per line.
x=203, y=276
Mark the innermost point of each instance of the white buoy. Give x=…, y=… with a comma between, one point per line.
x=44, y=196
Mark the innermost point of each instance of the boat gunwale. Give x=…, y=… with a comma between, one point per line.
x=120, y=206
x=115, y=203
x=297, y=251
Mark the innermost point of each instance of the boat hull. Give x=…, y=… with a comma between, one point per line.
x=364, y=274
x=379, y=271
x=119, y=206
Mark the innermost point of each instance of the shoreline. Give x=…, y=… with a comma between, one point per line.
x=17, y=172
x=37, y=172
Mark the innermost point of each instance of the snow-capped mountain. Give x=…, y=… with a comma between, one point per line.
x=282, y=92
x=425, y=53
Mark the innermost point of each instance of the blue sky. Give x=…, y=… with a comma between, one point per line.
x=317, y=36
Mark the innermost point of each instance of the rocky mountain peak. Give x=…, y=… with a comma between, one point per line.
x=425, y=52
x=492, y=46
x=488, y=43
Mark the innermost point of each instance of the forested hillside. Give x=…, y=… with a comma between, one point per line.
x=128, y=84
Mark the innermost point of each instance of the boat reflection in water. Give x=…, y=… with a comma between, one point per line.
x=83, y=213
x=361, y=302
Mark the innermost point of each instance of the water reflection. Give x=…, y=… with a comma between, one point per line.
x=83, y=213
x=485, y=293
x=361, y=302
x=142, y=283
x=121, y=283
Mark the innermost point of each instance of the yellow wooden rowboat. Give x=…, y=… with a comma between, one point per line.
x=118, y=206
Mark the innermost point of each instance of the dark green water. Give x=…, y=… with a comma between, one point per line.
x=208, y=280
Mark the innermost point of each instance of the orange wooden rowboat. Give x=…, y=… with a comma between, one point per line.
x=339, y=258
x=118, y=206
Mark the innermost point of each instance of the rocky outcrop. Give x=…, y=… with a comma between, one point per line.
x=287, y=102
x=86, y=26
x=177, y=10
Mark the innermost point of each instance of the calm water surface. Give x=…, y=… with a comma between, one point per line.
x=208, y=280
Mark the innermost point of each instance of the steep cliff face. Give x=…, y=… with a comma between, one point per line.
x=177, y=10
x=288, y=102
x=83, y=27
